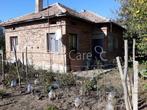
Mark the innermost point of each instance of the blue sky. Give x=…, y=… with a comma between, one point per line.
x=14, y=8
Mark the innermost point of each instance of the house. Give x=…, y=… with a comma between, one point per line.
x=1, y=38
x=62, y=39
x=1, y=31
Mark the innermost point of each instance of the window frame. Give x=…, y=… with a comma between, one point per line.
x=50, y=42
x=76, y=41
x=12, y=39
x=111, y=42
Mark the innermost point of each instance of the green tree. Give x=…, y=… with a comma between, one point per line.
x=133, y=16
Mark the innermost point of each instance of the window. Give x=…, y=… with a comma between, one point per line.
x=110, y=42
x=13, y=42
x=73, y=42
x=53, y=45
x=116, y=42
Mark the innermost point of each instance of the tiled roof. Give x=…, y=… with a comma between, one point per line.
x=93, y=16
x=56, y=9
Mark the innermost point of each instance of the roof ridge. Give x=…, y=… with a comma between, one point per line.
x=59, y=6
x=67, y=8
x=53, y=4
x=96, y=14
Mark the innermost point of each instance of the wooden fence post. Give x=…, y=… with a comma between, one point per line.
x=123, y=83
x=135, y=89
x=3, y=73
x=17, y=69
x=124, y=77
x=131, y=101
x=26, y=69
x=3, y=65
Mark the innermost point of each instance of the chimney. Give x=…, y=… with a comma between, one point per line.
x=38, y=6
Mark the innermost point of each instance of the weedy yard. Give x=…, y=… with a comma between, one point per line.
x=43, y=90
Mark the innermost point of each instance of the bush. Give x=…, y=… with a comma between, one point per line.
x=10, y=73
x=46, y=79
x=67, y=79
x=2, y=93
x=52, y=107
x=90, y=84
x=145, y=87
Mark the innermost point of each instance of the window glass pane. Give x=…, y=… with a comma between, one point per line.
x=73, y=42
x=13, y=42
x=116, y=42
x=56, y=45
x=110, y=44
x=52, y=43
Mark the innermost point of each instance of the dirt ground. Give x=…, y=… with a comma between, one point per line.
x=18, y=99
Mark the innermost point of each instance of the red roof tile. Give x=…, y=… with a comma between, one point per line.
x=55, y=10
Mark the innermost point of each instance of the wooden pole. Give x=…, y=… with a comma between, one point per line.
x=3, y=73
x=17, y=69
x=135, y=90
x=135, y=80
x=134, y=43
x=133, y=58
x=23, y=69
x=124, y=77
x=26, y=64
x=126, y=60
x=123, y=83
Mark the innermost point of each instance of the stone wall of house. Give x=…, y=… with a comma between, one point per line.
x=75, y=61
x=117, y=35
x=34, y=37
x=86, y=32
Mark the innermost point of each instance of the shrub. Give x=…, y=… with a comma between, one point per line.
x=46, y=79
x=145, y=87
x=10, y=73
x=90, y=84
x=67, y=79
x=52, y=107
x=2, y=93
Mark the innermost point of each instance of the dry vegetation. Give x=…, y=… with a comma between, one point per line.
x=92, y=91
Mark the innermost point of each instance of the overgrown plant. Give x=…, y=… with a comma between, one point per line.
x=10, y=73
x=51, y=107
x=67, y=79
x=46, y=79
x=90, y=84
x=2, y=93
